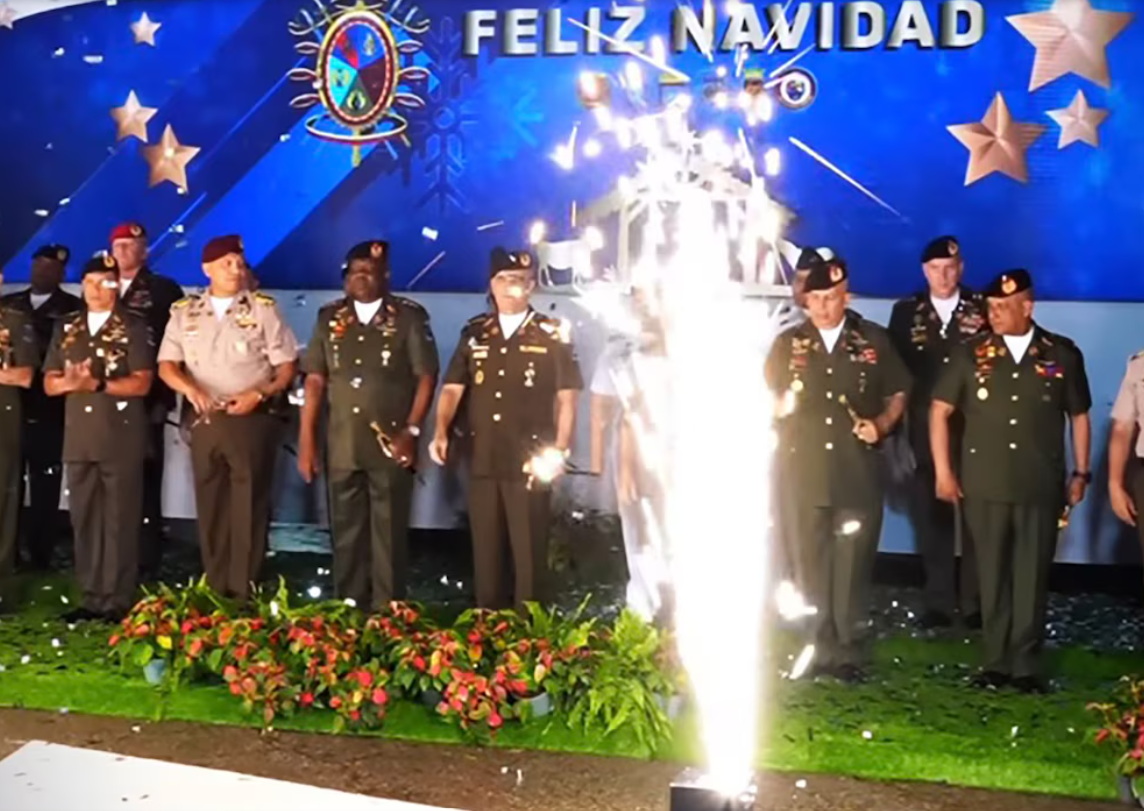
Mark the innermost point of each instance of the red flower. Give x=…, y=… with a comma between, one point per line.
x=1102, y=736
x=256, y=625
x=335, y=702
x=113, y=641
x=229, y=672
x=419, y=663
x=235, y=688
x=365, y=679
x=196, y=647
x=495, y=721
x=143, y=630
x=306, y=699
x=379, y=697
x=187, y=627
x=474, y=637
x=355, y=715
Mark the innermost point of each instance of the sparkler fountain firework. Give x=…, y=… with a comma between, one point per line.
x=706, y=434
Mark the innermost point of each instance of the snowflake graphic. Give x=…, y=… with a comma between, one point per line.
x=512, y=101
x=439, y=129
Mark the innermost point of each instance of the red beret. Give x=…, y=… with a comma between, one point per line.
x=127, y=230
x=219, y=247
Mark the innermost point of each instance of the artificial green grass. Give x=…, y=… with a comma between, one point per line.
x=916, y=721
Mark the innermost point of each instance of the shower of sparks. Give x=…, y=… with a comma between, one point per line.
x=421, y=273
x=626, y=48
x=845, y=176
x=781, y=69
x=486, y=226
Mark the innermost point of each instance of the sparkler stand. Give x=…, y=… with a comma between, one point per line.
x=690, y=792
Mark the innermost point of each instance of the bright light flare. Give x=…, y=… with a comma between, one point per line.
x=536, y=232
x=802, y=663
x=545, y=465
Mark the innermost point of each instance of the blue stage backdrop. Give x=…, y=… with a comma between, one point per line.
x=196, y=95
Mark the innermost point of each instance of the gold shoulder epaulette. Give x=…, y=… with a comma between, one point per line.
x=264, y=298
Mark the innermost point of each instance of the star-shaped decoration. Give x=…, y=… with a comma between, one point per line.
x=997, y=143
x=131, y=119
x=144, y=30
x=1079, y=122
x=7, y=16
x=1070, y=37
x=168, y=159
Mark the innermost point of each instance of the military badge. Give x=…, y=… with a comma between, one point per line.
x=952, y=248
x=376, y=250
x=836, y=274
x=108, y=260
x=1008, y=285
x=479, y=377
x=62, y=255
x=136, y=231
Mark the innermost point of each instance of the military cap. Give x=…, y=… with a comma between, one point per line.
x=808, y=259
x=372, y=249
x=941, y=248
x=127, y=230
x=59, y=253
x=1009, y=283
x=500, y=259
x=219, y=247
x=826, y=274
x=102, y=262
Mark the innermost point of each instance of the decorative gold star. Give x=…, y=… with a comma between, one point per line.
x=1070, y=37
x=1079, y=122
x=7, y=16
x=997, y=143
x=144, y=30
x=168, y=159
x=131, y=119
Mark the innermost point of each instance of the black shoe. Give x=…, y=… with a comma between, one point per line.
x=81, y=615
x=1030, y=685
x=973, y=621
x=935, y=619
x=850, y=674
x=990, y=680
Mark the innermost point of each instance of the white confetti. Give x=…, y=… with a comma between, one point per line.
x=136, y=729
x=63, y=710
x=284, y=137
x=93, y=59
x=351, y=602
x=178, y=228
x=800, y=784
x=25, y=659
x=65, y=201
x=519, y=777
x=57, y=53
x=315, y=592
x=868, y=735
x=55, y=643
x=1013, y=732
x=41, y=212
x=429, y=233
x=64, y=599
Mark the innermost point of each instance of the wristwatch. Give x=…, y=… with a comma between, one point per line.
x=1085, y=477
x=414, y=430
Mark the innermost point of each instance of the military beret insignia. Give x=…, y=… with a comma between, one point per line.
x=1008, y=286
x=108, y=260
x=136, y=231
x=836, y=273
x=376, y=250
x=62, y=254
x=952, y=247
x=524, y=259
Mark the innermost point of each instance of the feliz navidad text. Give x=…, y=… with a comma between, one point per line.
x=723, y=27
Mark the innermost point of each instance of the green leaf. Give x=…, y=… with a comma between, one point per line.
x=143, y=655
x=214, y=660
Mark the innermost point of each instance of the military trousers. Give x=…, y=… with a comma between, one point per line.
x=43, y=449
x=1016, y=544
x=509, y=523
x=151, y=534
x=1137, y=492
x=233, y=463
x=835, y=565
x=105, y=500
x=369, y=521
x=11, y=468
x=936, y=526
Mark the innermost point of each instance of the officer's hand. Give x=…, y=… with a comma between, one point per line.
x=1122, y=504
x=627, y=492
x=948, y=489
x=867, y=431
x=307, y=462
x=1077, y=486
x=200, y=400
x=439, y=448
x=404, y=447
x=242, y=404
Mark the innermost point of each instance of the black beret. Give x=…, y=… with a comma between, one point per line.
x=1009, y=283
x=59, y=253
x=941, y=248
x=101, y=263
x=500, y=259
x=826, y=274
x=373, y=249
x=808, y=259
x=219, y=247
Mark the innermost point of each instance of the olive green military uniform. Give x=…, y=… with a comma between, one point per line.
x=42, y=444
x=18, y=350
x=836, y=485
x=925, y=344
x=1013, y=477
x=511, y=390
x=150, y=296
x=232, y=456
x=372, y=373
x=105, y=442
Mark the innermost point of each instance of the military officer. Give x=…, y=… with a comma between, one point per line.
x=925, y=328
x=19, y=356
x=1015, y=388
x=102, y=360
x=150, y=296
x=45, y=303
x=230, y=354
x=843, y=389
x=522, y=379
x=373, y=361
x=1127, y=497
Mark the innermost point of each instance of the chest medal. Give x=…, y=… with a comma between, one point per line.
x=796, y=386
x=479, y=378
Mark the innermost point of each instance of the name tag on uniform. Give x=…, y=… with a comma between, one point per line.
x=483, y=353
x=539, y=350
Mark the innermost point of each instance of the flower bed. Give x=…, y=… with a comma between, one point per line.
x=479, y=672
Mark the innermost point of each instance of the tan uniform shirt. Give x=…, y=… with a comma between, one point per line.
x=1129, y=405
x=232, y=355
